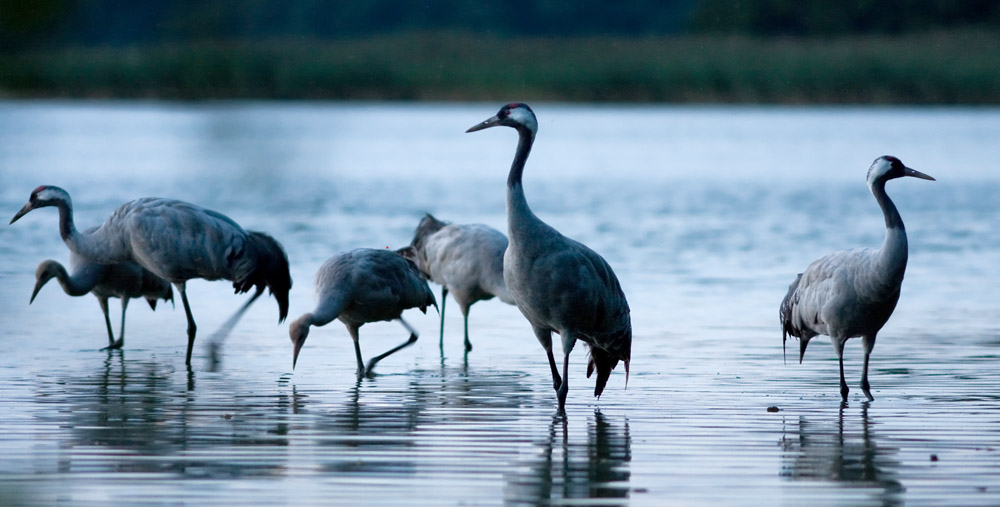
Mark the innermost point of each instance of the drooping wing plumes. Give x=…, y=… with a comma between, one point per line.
x=604, y=360
x=271, y=270
x=785, y=314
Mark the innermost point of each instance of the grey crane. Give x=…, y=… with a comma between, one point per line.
x=559, y=284
x=852, y=293
x=177, y=241
x=465, y=259
x=360, y=286
x=123, y=280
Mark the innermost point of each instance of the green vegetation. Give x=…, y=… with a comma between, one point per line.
x=957, y=66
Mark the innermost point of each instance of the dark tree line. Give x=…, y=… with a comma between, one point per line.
x=32, y=24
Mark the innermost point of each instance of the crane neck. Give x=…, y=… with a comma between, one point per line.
x=892, y=218
x=95, y=246
x=894, y=249
x=67, y=229
x=518, y=211
x=76, y=285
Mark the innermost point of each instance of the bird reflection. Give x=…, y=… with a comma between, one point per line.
x=819, y=452
x=140, y=417
x=567, y=469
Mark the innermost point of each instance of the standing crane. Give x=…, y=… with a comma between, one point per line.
x=559, y=284
x=361, y=286
x=466, y=260
x=177, y=241
x=124, y=280
x=852, y=293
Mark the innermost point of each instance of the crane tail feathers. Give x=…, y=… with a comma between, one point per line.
x=785, y=312
x=603, y=361
x=271, y=270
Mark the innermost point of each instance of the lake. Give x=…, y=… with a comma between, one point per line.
x=705, y=213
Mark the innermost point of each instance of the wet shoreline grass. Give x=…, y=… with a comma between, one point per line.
x=955, y=67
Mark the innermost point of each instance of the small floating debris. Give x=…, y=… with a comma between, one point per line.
x=934, y=457
x=773, y=408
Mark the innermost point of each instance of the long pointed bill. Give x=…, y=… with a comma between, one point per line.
x=38, y=287
x=492, y=122
x=917, y=174
x=298, y=347
x=24, y=211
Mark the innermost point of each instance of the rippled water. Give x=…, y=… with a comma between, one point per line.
x=706, y=214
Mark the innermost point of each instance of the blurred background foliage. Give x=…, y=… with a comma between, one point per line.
x=763, y=51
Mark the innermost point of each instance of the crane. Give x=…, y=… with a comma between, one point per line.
x=852, y=293
x=123, y=280
x=559, y=285
x=177, y=241
x=465, y=259
x=361, y=286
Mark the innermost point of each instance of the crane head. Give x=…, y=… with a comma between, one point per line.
x=298, y=331
x=888, y=167
x=46, y=271
x=516, y=114
x=45, y=195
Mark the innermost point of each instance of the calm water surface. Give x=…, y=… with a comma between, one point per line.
x=706, y=214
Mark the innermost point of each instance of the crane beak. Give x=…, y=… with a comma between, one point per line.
x=38, y=287
x=298, y=347
x=917, y=174
x=24, y=211
x=492, y=122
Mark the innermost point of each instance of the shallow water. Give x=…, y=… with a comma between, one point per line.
x=705, y=213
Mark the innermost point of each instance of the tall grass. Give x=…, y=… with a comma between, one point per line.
x=956, y=67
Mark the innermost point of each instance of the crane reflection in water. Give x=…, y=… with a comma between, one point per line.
x=834, y=451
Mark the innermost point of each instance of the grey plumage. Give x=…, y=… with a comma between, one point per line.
x=559, y=284
x=852, y=293
x=176, y=241
x=465, y=259
x=361, y=286
x=124, y=280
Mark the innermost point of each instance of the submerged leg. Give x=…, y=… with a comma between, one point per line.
x=192, y=327
x=567, y=341
x=103, y=301
x=869, y=344
x=465, y=319
x=120, y=342
x=839, y=346
x=353, y=331
x=444, y=296
x=407, y=343
x=545, y=338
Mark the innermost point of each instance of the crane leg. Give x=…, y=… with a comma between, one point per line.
x=444, y=295
x=465, y=319
x=567, y=341
x=839, y=344
x=107, y=322
x=120, y=342
x=192, y=327
x=353, y=330
x=545, y=338
x=407, y=343
x=868, y=344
